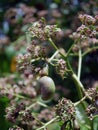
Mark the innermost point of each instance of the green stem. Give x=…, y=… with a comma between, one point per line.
x=79, y=88
x=37, y=102
x=17, y=95
x=73, y=54
x=68, y=52
x=20, y=96
x=80, y=101
x=69, y=66
x=42, y=104
x=32, y=105
x=90, y=50
x=41, y=123
x=28, y=38
x=52, y=57
x=79, y=85
x=56, y=48
x=79, y=64
x=45, y=125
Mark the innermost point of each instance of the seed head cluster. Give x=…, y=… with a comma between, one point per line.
x=65, y=110
x=61, y=68
x=86, y=34
x=16, y=128
x=19, y=113
x=42, y=31
x=92, y=109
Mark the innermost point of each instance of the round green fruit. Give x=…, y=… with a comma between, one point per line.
x=47, y=87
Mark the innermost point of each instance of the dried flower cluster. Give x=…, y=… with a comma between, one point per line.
x=42, y=31
x=16, y=128
x=93, y=93
x=65, y=110
x=92, y=109
x=86, y=34
x=13, y=113
x=33, y=61
x=10, y=88
x=61, y=68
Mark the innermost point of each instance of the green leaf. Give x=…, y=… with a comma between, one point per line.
x=53, y=126
x=95, y=123
x=83, y=128
x=82, y=118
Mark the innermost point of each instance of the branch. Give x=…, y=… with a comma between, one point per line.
x=79, y=64
x=45, y=125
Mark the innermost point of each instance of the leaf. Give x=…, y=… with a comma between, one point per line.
x=83, y=128
x=95, y=123
x=82, y=118
x=53, y=126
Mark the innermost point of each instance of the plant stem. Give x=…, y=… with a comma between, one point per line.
x=56, y=48
x=79, y=64
x=37, y=119
x=20, y=96
x=45, y=125
x=80, y=101
x=52, y=57
x=79, y=85
x=32, y=105
x=37, y=102
x=42, y=104
x=90, y=50
x=17, y=95
x=33, y=60
x=70, y=48
x=69, y=66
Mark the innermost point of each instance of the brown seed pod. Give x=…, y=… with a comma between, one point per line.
x=47, y=87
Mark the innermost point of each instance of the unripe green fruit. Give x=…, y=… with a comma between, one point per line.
x=47, y=87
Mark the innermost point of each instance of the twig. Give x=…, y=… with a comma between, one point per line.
x=79, y=64
x=90, y=50
x=52, y=57
x=80, y=101
x=56, y=48
x=45, y=125
x=68, y=52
